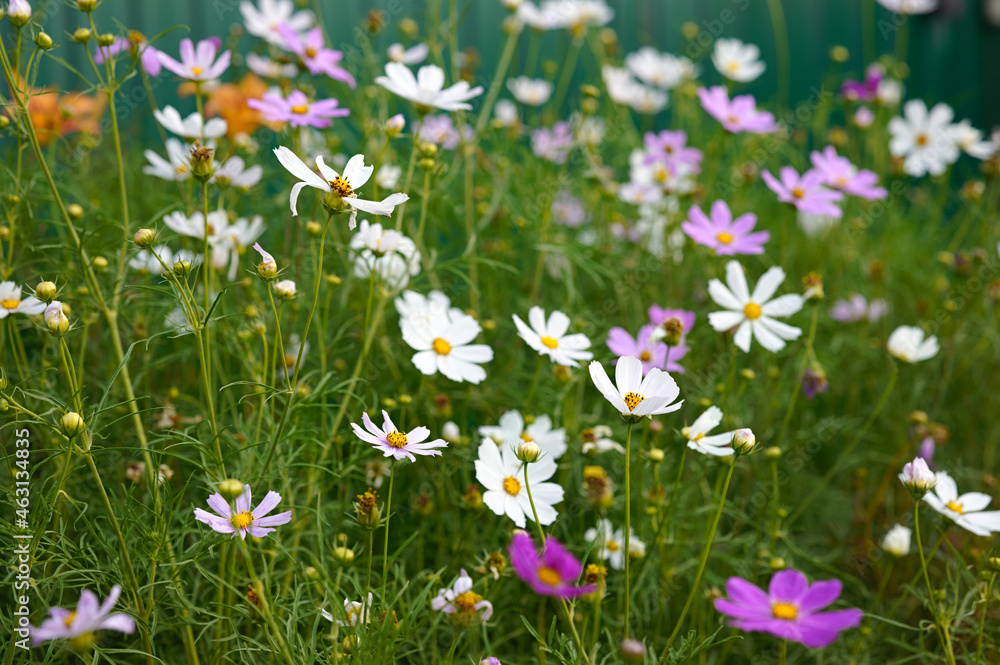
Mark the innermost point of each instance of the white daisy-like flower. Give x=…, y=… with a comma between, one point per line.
x=533, y=92
x=146, y=262
x=408, y=56
x=392, y=443
x=610, y=543
x=270, y=69
x=511, y=432
x=897, y=540
x=970, y=140
x=462, y=599
x=910, y=6
x=663, y=70
x=699, y=439
x=753, y=314
x=924, y=139
x=263, y=20
x=426, y=90
x=502, y=474
x=418, y=311
x=234, y=173
x=443, y=345
x=549, y=337
x=966, y=510
x=505, y=114
x=636, y=396
x=737, y=61
x=597, y=440
x=387, y=176
x=12, y=303
x=192, y=127
x=908, y=343
x=356, y=612
x=388, y=253
x=177, y=165
x=340, y=189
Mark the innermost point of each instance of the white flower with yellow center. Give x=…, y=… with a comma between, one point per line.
x=737, y=61
x=698, y=438
x=664, y=70
x=635, y=396
x=502, y=474
x=966, y=510
x=460, y=599
x=426, y=90
x=443, y=345
x=408, y=56
x=753, y=314
x=610, y=543
x=924, y=139
x=12, y=303
x=355, y=613
x=176, y=167
x=511, y=432
x=549, y=337
x=529, y=91
x=393, y=443
x=909, y=344
x=192, y=127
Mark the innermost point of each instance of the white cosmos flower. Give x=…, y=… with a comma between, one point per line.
x=635, y=396
x=549, y=338
x=263, y=20
x=897, y=540
x=698, y=438
x=505, y=114
x=176, y=167
x=625, y=90
x=610, y=543
x=356, y=613
x=426, y=89
x=970, y=140
x=355, y=175
x=392, y=256
x=146, y=262
x=234, y=173
x=753, y=314
x=270, y=69
x=408, y=56
x=418, y=311
x=192, y=127
x=917, y=476
x=443, y=345
x=596, y=439
x=533, y=92
x=909, y=345
x=663, y=70
x=909, y=6
x=387, y=176
x=12, y=303
x=502, y=474
x=460, y=598
x=924, y=139
x=737, y=61
x=285, y=288
x=511, y=432
x=967, y=511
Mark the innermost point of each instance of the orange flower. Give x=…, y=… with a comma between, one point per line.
x=55, y=114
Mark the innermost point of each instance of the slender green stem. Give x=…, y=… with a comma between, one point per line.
x=388, y=516
x=782, y=652
x=425, y=198
x=499, y=76
x=797, y=388
x=628, y=521
x=942, y=629
x=534, y=513
x=982, y=620
x=368, y=582
x=568, y=69
x=265, y=605
x=277, y=334
x=781, y=46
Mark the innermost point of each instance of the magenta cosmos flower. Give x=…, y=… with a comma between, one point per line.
x=89, y=617
x=298, y=110
x=149, y=57
x=660, y=315
x=838, y=172
x=738, y=115
x=315, y=56
x=647, y=347
x=394, y=443
x=805, y=192
x=671, y=148
x=724, y=234
x=864, y=91
x=198, y=64
x=242, y=519
x=554, y=573
x=790, y=609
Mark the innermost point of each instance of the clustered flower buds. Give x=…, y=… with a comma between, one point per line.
x=55, y=319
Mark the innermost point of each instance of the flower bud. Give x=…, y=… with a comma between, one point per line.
x=814, y=286
x=656, y=454
x=75, y=210
x=395, y=125
x=182, y=268
x=4, y=122
x=450, y=432
x=673, y=329
x=107, y=39
x=45, y=291
x=82, y=35
x=918, y=477
x=55, y=318
x=202, y=161
x=994, y=563
x=86, y=6
x=285, y=289
x=230, y=488
x=366, y=509
x=99, y=263
x=43, y=41
x=3, y=380
x=897, y=541
x=773, y=452
x=314, y=228
x=918, y=417
x=473, y=497
x=71, y=424
x=267, y=269
x=840, y=54
x=528, y=452
x=632, y=651
x=144, y=238
x=18, y=12
x=748, y=374
x=344, y=555
x=743, y=441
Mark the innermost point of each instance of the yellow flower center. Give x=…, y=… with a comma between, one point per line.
x=784, y=611
x=196, y=71
x=733, y=119
x=511, y=486
x=733, y=67
x=241, y=520
x=341, y=186
x=466, y=602
x=441, y=347
x=724, y=238
x=752, y=311
x=69, y=619
x=182, y=168
x=645, y=356
x=310, y=53
x=548, y=576
x=957, y=507
x=550, y=342
x=301, y=110
x=798, y=192
x=632, y=400
x=10, y=304
x=396, y=439
x=612, y=546
x=526, y=438
x=921, y=139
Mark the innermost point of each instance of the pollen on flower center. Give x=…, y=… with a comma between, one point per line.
x=511, y=485
x=645, y=356
x=526, y=438
x=466, y=602
x=241, y=520
x=69, y=619
x=921, y=139
x=310, y=52
x=724, y=238
x=632, y=400
x=550, y=342
x=957, y=507
x=785, y=611
x=733, y=67
x=441, y=347
x=548, y=576
x=612, y=545
x=396, y=439
x=752, y=310
x=301, y=110
x=798, y=192
x=196, y=71
x=9, y=304
x=342, y=187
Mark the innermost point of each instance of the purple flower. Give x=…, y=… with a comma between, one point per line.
x=660, y=315
x=200, y=64
x=671, y=148
x=393, y=443
x=805, y=192
x=298, y=110
x=552, y=574
x=90, y=616
x=864, y=91
x=440, y=130
x=315, y=56
x=553, y=144
x=568, y=210
x=243, y=520
x=738, y=115
x=724, y=234
x=814, y=382
x=927, y=447
x=857, y=308
x=839, y=173
x=789, y=609
x=650, y=351
x=149, y=57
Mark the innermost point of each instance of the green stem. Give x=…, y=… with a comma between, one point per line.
x=265, y=606
x=628, y=520
x=942, y=630
x=781, y=46
x=982, y=621
x=534, y=382
x=568, y=68
x=499, y=76
x=388, y=515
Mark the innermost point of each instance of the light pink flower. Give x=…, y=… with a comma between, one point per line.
x=805, y=192
x=838, y=172
x=89, y=616
x=724, y=234
x=738, y=115
x=243, y=519
x=315, y=56
x=671, y=148
x=200, y=64
x=298, y=110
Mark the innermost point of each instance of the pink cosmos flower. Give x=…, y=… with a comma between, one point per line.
x=660, y=315
x=394, y=443
x=315, y=56
x=200, y=64
x=243, y=520
x=89, y=616
x=857, y=309
x=650, y=351
x=838, y=172
x=724, y=234
x=440, y=130
x=671, y=148
x=298, y=110
x=864, y=91
x=149, y=57
x=790, y=609
x=553, y=144
x=805, y=192
x=551, y=574
x=738, y=115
